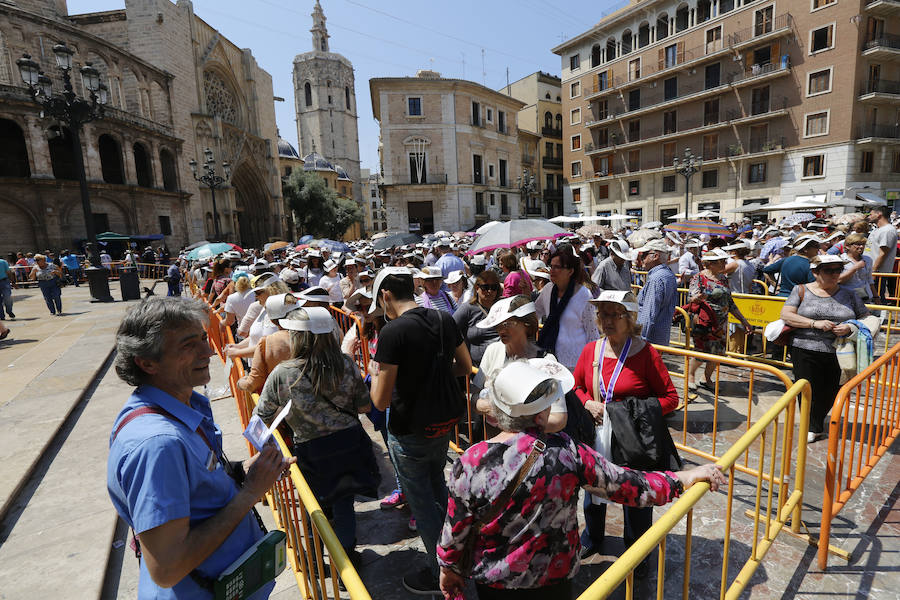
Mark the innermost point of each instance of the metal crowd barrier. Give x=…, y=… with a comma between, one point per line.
x=294, y=506
x=776, y=457
x=152, y=270
x=346, y=321
x=865, y=421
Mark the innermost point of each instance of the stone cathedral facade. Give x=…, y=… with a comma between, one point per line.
x=325, y=102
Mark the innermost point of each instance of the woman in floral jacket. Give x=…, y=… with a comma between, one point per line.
x=531, y=548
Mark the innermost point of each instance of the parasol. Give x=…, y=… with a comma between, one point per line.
x=700, y=226
x=276, y=246
x=594, y=229
x=850, y=218
x=208, y=251
x=515, y=233
x=396, y=239
x=797, y=218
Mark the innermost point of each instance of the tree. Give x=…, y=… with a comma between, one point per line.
x=317, y=208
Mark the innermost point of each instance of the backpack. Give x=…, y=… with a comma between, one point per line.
x=442, y=404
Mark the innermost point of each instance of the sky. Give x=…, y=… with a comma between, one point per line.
x=395, y=39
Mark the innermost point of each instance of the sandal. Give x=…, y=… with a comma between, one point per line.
x=692, y=386
x=4, y=334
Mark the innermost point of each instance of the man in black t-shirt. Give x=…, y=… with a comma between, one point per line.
x=417, y=348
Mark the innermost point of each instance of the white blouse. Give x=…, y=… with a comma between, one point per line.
x=577, y=327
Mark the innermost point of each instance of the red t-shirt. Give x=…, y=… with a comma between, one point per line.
x=644, y=375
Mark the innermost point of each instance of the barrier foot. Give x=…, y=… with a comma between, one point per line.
x=221, y=398
x=805, y=536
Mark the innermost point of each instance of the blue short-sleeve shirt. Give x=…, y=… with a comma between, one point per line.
x=161, y=469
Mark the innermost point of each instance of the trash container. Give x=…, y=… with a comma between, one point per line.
x=129, y=283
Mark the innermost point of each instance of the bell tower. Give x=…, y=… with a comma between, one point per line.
x=319, y=31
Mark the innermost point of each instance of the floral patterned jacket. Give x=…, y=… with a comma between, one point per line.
x=534, y=542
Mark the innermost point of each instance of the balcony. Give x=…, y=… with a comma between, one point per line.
x=870, y=133
x=697, y=91
x=533, y=209
x=430, y=179
x=883, y=8
x=694, y=56
x=551, y=132
x=880, y=91
x=527, y=159
x=886, y=47
x=551, y=162
x=553, y=195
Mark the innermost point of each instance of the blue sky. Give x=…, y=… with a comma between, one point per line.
x=394, y=39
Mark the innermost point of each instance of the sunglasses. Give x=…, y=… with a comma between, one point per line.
x=489, y=287
x=831, y=270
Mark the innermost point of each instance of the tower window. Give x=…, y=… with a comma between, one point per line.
x=347, y=97
x=307, y=93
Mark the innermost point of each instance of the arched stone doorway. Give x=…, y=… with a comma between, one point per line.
x=18, y=230
x=252, y=202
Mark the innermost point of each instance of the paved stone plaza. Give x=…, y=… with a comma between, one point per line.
x=60, y=536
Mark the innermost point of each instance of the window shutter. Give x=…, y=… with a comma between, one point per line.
x=748, y=59
x=680, y=51
x=776, y=57
x=662, y=59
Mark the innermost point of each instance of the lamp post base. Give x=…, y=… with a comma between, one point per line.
x=98, y=281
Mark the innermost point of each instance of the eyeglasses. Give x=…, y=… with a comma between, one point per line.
x=557, y=267
x=613, y=316
x=489, y=287
x=506, y=324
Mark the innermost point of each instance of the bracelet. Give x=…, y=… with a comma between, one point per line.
x=812, y=325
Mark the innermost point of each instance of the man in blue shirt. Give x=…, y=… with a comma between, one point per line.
x=173, y=279
x=448, y=262
x=656, y=301
x=5, y=290
x=72, y=265
x=166, y=471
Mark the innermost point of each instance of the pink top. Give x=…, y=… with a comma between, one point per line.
x=517, y=282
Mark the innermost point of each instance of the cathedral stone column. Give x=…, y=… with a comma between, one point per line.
x=38, y=148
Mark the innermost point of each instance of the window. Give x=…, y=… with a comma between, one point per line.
x=714, y=39
x=711, y=112
x=763, y=21
x=169, y=174
x=548, y=149
x=866, y=161
x=142, y=168
x=575, y=89
x=669, y=184
x=671, y=55
x=759, y=101
x=634, y=160
x=816, y=124
x=347, y=97
x=576, y=168
x=492, y=200
x=503, y=172
x=602, y=168
x=575, y=116
x=165, y=225
x=489, y=115
x=819, y=82
x=549, y=183
x=417, y=171
x=374, y=206
x=759, y=137
x=668, y=154
x=307, y=93
x=414, y=107
x=374, y=194
x=817, y=4
x=576, y=195
x=895, y=163
x=476, y=169
x=634, y=187
x=821, y=39
x=504, y=205
x=634, y=130
x=814, y=166
x=634, y=99
x=711, y=146
x=491, y=171
x=596, y=55
x=576, y=142
x=670, y=120
x=574, y=62
x=602, y=80
x=330, y=99
x=710, y=178
x=602, y=109
x=757, y=173
x=479, y=203
x=476, y=114
x=713, y=76
x=670, y=88
x=634, y=69
x=501, y=122
x=603, y=192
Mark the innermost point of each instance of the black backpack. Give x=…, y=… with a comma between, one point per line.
x=441, y=404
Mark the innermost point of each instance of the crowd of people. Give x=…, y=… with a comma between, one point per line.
x=564, y=356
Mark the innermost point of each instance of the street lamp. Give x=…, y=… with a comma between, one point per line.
x=686, y=167
x=212, y=180
x=527, y=187
x=70, y=110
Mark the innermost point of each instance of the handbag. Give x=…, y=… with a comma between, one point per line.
x=641, y=438
x=467, y=556
x=778, y=332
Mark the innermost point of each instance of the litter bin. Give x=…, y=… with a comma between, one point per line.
x=129, y=283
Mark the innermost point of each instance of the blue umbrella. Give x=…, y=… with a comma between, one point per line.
x=305, y=239
x=797, y=218
x=208, y=251
x=332, y=245
x=773, y=245
x=745, y=228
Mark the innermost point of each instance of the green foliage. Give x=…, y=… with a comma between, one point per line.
x=317, y=209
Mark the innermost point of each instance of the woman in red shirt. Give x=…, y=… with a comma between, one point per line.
x=631, y=368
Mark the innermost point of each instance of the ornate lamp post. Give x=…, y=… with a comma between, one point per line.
x=527, y=188
x=686, y=167
x=70, y=110
x=212, y=180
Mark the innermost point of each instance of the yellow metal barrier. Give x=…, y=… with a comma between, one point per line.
x=787, y=510
x=295, y=508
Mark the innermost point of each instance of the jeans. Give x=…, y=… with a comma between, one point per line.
x=174, y=288
x=343, y=522
x=52, y=294
x=419, y=463
x=637, y=522
x=822, y=371
x=6, y=301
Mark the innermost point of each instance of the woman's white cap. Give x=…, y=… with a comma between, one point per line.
x=500, y=312
x=278, y=306
x=329, y=265
x=827, y=259
x=260, y=282
x=804, y=241
x=313, y=294
x=714, y=254
x=382, y=274
x=352, y=303
x=622, y=298
x=319, y=321
x=478, y=260
x=540, y=273
x=431, y=273
x=454, y=276
x=512, y=386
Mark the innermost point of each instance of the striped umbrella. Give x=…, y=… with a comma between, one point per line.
x=700, y=226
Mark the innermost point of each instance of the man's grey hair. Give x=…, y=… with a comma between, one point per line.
x=511, y=424
x=142, y=332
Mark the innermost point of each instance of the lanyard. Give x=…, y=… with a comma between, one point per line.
x=607, y=392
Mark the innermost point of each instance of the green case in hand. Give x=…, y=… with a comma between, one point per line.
x=260, y=564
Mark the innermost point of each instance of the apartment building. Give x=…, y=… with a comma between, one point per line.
x=376, y=220
x=542, y=117
x=449, y=152
x=780, y=100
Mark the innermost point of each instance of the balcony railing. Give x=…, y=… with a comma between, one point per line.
x=782, y=21
x=527, y=159
x=533, y=209
x=430, y=179
x=757, y=146
x=551, y=132
x=884, y=41
x=552, y=162
x=879, y=87
x=553, y=195
x=878, y=131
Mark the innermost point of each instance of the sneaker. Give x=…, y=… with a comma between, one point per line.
x=11, y=316
x=395, y=500
x=422, y=583
x=412, y=524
